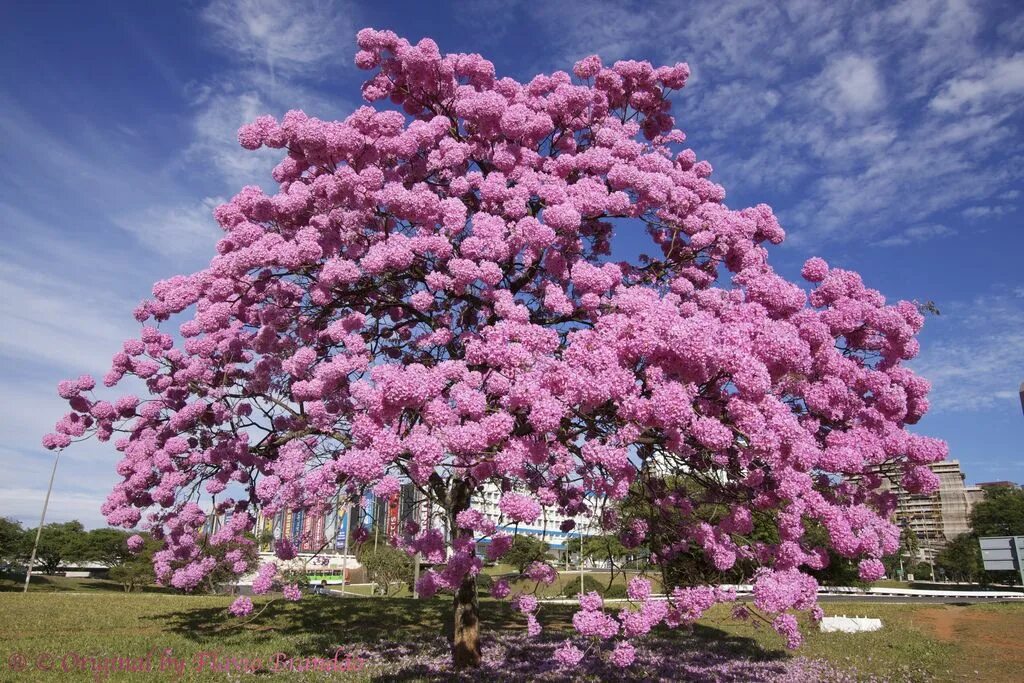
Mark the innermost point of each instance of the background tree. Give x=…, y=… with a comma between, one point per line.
x=388, y=568
x=1001, y=513
x=135, y=571
x=107, y=547
x=906, y=556
x=431, y=297
x=605, y=550
x=960, y=559
x=11, y=534
x=524, y=551
x=59, y=543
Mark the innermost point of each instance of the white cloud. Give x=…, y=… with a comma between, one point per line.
x=175, y=230
x=852, y=84
x=288, y=39
x=875, y=155
x=279, y=50
x=26, y=504
x=57, y=322
x=985, y=211
x=979, y=85
x=917, y=233
x=974, y=355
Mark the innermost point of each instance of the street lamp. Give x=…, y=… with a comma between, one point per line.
x=1022, y=396
x=42, y=518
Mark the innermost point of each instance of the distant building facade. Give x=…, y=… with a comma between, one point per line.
x=386, y=517
x=938, y=517
x=546, y=528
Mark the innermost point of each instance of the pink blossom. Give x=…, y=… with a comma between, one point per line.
x=526, y=603
x=519, y=507
x=241, y=606
x=638, y=588
x=568, y=655
x=623, y=655
x=542, y=572
x=500, y=589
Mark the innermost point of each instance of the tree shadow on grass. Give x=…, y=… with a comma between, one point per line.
x=43, y=583
x=352, y=619
x=402, y=639
x=705, y=655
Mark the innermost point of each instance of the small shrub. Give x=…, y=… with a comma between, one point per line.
x=572, y=589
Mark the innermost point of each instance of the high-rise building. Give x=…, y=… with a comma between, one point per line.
x=938, y=517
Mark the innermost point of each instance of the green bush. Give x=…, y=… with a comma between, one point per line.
x=616, y=591
x=572, y=589
x=388, y=568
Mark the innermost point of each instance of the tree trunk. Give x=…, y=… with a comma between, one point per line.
x=466, y=641
x=466, y=606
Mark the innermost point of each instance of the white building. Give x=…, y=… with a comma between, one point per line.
x=546, y=528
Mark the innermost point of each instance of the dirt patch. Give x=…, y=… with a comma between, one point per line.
x=992, y=640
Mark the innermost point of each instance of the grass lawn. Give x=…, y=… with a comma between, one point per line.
x=14, y=583
x=923, y=642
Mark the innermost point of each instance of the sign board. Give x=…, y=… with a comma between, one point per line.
x=1003, y=553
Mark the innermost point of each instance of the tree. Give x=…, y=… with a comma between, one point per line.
x=960, y=559
x=58, y=543
x=136, y=570
x=1001, y=513
x=386, y=567
x=604, y=548
x=431, y=297
x=107, y=546
x=11, y=535
x=907, y=555
x=526, y=550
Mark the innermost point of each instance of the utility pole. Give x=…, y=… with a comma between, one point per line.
x=344, y=557
x=581, y=561
x=376, y=524
x=42, y=518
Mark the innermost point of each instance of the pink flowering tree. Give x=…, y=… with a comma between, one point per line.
x=431, y=297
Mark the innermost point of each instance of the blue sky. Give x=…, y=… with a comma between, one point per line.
x=887, y=139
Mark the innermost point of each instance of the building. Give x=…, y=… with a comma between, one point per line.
x=323, y=535
x=320, y=539
x=998, y=485
x=546, y=528
x=938, y=517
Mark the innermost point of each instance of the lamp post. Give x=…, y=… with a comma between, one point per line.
x=344, y=557
x=42, y=518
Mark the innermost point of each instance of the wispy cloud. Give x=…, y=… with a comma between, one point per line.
x=287, y=40
x=975, y=358
x=991, y=80
x=917, y=233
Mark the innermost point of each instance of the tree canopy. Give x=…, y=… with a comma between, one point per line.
x=1000, y=513
x=524, y=551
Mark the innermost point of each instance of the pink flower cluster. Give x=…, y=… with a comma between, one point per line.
x=241, y=606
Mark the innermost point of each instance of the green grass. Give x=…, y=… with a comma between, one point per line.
x=14, y=583
x=104, y=623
